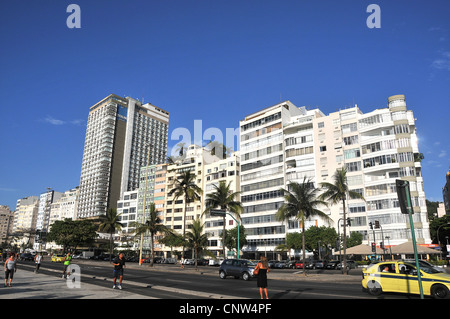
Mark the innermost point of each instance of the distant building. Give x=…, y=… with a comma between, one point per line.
x=25, y=217
x=6, y=219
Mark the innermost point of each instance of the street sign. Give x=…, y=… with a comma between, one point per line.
x=217, y=212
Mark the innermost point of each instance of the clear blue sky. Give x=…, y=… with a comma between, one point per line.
x=214, y=61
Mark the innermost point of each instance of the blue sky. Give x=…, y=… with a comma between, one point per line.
x=214, y=61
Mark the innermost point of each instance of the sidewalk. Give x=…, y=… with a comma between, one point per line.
x=28, y=285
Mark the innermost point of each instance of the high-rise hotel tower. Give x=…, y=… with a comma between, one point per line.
x=122, y=135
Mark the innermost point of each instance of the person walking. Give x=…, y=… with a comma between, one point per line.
x=66, y=261
x=10, y=268
x=261, y=270
x=119, y=264
x=37, y=259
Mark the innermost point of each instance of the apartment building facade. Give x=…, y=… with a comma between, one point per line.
x=285, y=143
x=6, y=220
x=45, y=204
x=122, y=135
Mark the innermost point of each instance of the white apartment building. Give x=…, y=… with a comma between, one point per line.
x=127, y=208
x=65, y=207
x=263, y=173
x=25, y=217
x=209, y=170
x=122, y=135
x=285, y=143
x=6, y=219
x=228, y=171
x=45, y=202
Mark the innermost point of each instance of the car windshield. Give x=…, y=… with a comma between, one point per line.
x=427, y=269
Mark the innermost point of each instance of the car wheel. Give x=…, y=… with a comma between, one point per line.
x=440, y=292
x=246, y=276
x=222, y=275
x=374, y=288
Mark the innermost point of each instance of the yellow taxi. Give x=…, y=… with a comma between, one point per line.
x=399, y=276
x=58, y=258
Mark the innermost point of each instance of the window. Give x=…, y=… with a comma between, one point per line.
x=323, y=148
x=320, y=125
x=347, y=128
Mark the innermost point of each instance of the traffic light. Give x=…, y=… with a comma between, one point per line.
x=377, y=224
x=349, y=223
x=370, y=225
x=404, y=196
x=374, y=248
x=381, y=245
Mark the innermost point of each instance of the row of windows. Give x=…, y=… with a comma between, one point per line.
x=262, y=121
x=262, y=163
x=264, y=184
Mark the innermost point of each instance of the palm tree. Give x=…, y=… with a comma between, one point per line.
x=224, y=198
x=336, y=192
x=185, y=186
x=196, y=238
x=109, y=223
x=152, y=225
x=300, y=203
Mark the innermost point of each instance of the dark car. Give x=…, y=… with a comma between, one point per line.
x=272, y=263
x=320, y=264
x=350, y=265
x=281, y=264
x=237, y=268
x=332, y=264
x=27, y=256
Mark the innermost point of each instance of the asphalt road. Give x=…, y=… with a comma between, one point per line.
x=171, y=282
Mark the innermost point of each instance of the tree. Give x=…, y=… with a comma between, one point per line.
x=72, y=233
x=224, y=198
x=152, y=226
x=326, y=236
x=300, y=204
x=231, y=238
x=185, y=186
x=109, y=223
x=337, y=192
x=196, y=238
x=172, y=240
x=293, y=241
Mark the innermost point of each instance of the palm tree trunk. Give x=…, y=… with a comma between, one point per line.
x=223, y=237
x=152, y=252
x=303, y=247
x=110, y=245
x=344, y=260
x=184, y=222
